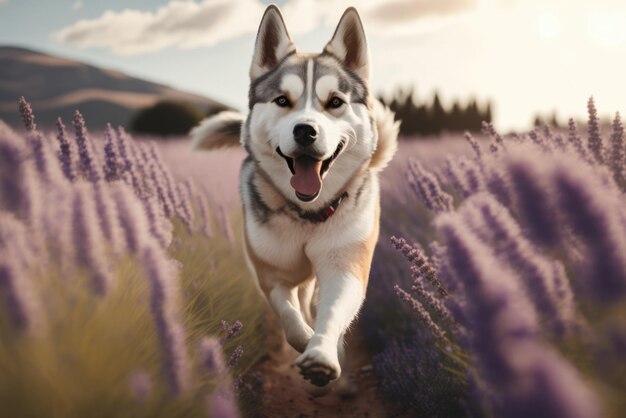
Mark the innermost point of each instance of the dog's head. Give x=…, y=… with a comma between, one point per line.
x=309, y=125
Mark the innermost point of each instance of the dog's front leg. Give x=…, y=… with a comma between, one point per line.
x=286, y=303
x=340, y=296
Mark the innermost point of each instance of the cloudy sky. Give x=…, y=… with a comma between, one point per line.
x=527, y=56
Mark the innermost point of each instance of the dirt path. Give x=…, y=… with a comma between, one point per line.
x=284, y=388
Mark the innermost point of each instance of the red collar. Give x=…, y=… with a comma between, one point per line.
x=323, y=214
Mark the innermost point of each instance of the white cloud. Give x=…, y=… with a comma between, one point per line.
x=189, y=24
x=382, y=16
x=183, y=24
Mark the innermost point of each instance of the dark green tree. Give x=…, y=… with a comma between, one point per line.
x=166, y=118
x=427, y=118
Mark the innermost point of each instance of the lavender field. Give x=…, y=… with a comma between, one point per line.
x=498, y=286
x=121, y=289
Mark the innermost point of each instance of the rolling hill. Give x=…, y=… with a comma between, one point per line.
x=57, y=86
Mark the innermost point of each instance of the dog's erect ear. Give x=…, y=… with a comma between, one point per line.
x=273, y=43
x=349, y=44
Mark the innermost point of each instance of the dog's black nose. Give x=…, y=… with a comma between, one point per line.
x=305, y=134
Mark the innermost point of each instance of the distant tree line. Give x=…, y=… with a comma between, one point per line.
x=426, y=118
x=547, y=120
x=170, y=118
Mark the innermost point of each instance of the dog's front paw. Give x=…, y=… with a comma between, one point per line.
x=318, y=366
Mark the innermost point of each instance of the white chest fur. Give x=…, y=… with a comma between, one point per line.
x=294, y=246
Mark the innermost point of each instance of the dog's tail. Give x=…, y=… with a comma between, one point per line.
x=218, y=131
x=388, y=129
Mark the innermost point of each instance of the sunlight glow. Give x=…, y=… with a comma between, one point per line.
x=608, y=30
x=549, y=25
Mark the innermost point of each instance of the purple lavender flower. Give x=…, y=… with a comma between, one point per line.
x=419, y=261
x=525, y=377
x=502, y=233
x=88, y=241
x=108, y=216
x=96, y=149
x=132, y=171
x=235, y=356
x=165, y=312
x=56, y=224
x=203, y=208
x=429, y=297
x=558, y=140
x=539, y=140
x=210, y=354
x=548, y=387
x=167, y=181
x=437, y=252
x=35, y=139
x=423, y=315
x=191, y=194
x=132, y=218
x=65, y=151
x=160, y=227
x=140, y=385
x=489, y=130
x=248, y=384
x=11, y=155
x=16, y=289
x=122, y=146
x=222, y=401
x=415, y=374
x=111, y=164
x=565, y=295
x=500, y=315
x=595, y=214
x=548, y=136
x=574, y=139
x=427, y=188
x=472, y=175
x=533, y=198
x=223, y=404
x=27, y=115
x=158, y=183
x=595, y=140
x=38, y=145
x=231, y=330
x=617, y=150
x=474, y=144
x=32, y=195
x=185, y=213
x=15, y=305
x=498, y=184
x=85, y=162
x=455, y=176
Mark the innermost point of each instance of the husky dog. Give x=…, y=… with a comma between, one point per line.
x=316, y=140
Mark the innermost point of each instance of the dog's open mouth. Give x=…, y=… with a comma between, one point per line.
x=307, y=173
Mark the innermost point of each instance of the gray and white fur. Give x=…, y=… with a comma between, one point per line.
x=316, y=141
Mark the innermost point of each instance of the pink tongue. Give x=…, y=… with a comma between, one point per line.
x=306, y=179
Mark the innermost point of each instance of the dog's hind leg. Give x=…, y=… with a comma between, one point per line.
x=306, y=291
x=285, y=302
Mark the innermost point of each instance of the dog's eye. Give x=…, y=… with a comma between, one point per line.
x=282, y=101
x=335, y=103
